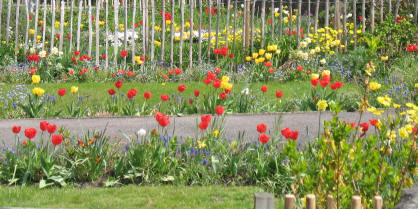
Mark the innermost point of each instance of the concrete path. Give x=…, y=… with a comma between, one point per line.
x=305, y=122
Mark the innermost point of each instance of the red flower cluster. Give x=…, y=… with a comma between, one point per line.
x=205, y=122
x=294, y=32
x=412, y=48
x=219, y=110
x=30, y=133
x=336, y=85
x=123, y=53
x=289, y=134
x=222, y=51
x=261, y=128
x=212, y=10
x=33, y=70
x=399, y=19
x=364, y=127
x=34, y=58
x=167, y=16
x=131, y=93
x=162, y=119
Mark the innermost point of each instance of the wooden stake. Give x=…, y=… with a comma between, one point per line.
x=363, y=15
x=61, y=38
x=36, y=22
x=398, y=2
x=125, y=30
x=210, y=28
x=356, y=202
x=355, y=22
x=80, y=11
x=263, y=21
x=163, y=33
x=272, y=20
x=330, y=202
x=17, y=29
x=377, y=202
x=281, y=20
x=25, y=47
x=247, y=24
x=181, y=33
x=71, y=25
x=173, y=4
x=227, y=22
x=326, y=16
x=191, y=36
x=289, y=201
x=107, y=35
x=96, y=21
x=309, y=16
x=372, y=14
x=90, y=28
x=299, y=21
x=382, y=4
x=200, y=33
x=345, y=24
x=44, y=24
x=316, y=15
x=9, y=11
x=252, y=24
x=218, y=11
x=52, y=26
x=115, y=38
x=310, y=201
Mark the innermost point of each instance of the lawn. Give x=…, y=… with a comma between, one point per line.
x=131, y=197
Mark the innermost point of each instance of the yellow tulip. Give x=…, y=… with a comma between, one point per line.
x=74, y=89
x=322, y=105
x=38, y=91
x=36, y=79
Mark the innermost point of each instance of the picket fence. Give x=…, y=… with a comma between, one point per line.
x=145, y=9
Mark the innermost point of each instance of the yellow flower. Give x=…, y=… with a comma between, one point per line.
x=331, y=52
x=314, y=76
x=322, y=104
x=276, y=14
x=375, y=111
x=215, y=133
x=403, y=133
x=162, y=84
x=101, y=23
x=138, y=60
x=225, y=78
x=325, y=73
x=201, y=144
x=168, y=22
x=396, y=105
x=268, y=56
x=391, y=135
x=261, y=52
x=74, y=89
x=38, y=91
x=248, y=58
x=31, y=31
x=157, y=43
x=385, y=101
x=255, y=55
x=323, y=61
x=278, y=51
x=374, y=86
x=36, y=79
x=351, y=154
x=384, y=58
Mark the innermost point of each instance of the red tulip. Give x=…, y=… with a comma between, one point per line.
x=61, y=92
x=261, y=128
x=279, y=94
x=181, y=88
x=56, y=139
x=123, y=53
x=299, y=68
x=217, y=83
x=190, y=100
x=207, y=81
x=268, y=64
x=205, y=118
x=131, y=93
x=264, y=138
x=217, y=70
x=264, y=89
x=314, y=82
x=43, y=125
x=177, y=71
x=147, y=95
x=16, y=129
x=30, y=133
x=118, y=84
x=111, y=91
x=374, y=122
x=164, y=97
x=203, y=125
x=164, y=121
x=219, y=110
x=196, y=93
x=76, y=53
x=222, y=95
x=51, y=128
x=324, y=83
x=271, y=70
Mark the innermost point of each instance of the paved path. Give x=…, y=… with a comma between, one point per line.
x=306, y=123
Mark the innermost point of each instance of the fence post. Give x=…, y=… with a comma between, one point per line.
x=1, y=14
x=309, y=16
x=235, y=25
x=252, y=24
x=61, y=36
x=337, y=24
x=345, y=25
x=299, y=21
x=372, y=14
x=263, y=21
x=397, y=8
x=355, y=22
x=416, y=11
x=377, y=202
x=310, y=201
x=115, y=37
x=17, y=29
x=25, y=47
x=162, y=32
x=36, y=24
x=80, y=11
x=52, y=26
x=227, y=22
x=191, y=36
x=289, y=201
x=96, y=21
x=209, y=29
x=382, y=4
x=181, y=33
x=9, y=11
x=356, y=202
x=200, y=33
x=363, y=15
x=125, y=32
x=43, y=25
x=316, y=16
x=152, y=30
x=272, y=19
x=71, y=25
x=330, y=202
x=281, y=19
x=263, y=201
x=133, y=30
x=218, y=12
x=326, y=17
x=291, y=16
x=173, y=3
x=107, y=35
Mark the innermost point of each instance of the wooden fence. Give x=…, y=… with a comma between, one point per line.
x=147, y=27
x=266, y=201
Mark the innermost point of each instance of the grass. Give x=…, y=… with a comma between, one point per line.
x=291, y=90
x=131, y=197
